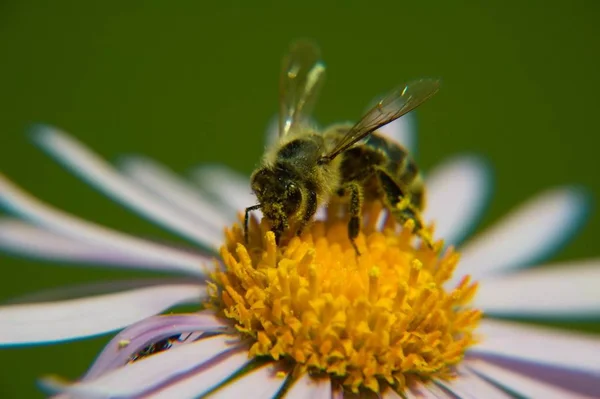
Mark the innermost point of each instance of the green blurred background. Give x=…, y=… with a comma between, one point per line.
x=191, y=82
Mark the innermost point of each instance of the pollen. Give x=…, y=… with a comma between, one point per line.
x=385, y=317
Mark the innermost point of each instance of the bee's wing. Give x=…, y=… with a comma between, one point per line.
x=397, y=103
x=302, y=75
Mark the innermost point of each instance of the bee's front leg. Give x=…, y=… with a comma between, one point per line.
x=355, y=206
x=309, y=211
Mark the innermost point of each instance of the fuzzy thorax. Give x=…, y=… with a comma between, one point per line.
x=384, y=317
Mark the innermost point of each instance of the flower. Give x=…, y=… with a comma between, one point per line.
x=192, y=354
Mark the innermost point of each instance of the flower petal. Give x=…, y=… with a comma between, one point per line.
x=528, y=234
x=389, y=393
x=87, y=165
x=172, y=188
x=153, y=329
x=522, y=385
x=576, y=381
x=539, y=344
x=231, y=188
x=403, y=131
x=337, y=392
x=309, y=387
x=19, y=202
x=468, y=385
x=568, y=290
x=427, y=391
x=457, y=192
x=83, y=317
x=262, y=382
x=23, y=239
x=153, y=371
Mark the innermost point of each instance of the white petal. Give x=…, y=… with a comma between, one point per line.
x=23, y=204
x=337, y=393
x=170, y=187
x=230, y=187
x=150, y=330
x=153, y=371
x=539, y=344
x=389, y=393
x=84, y=317
x=262, y=382
x=208, y=378
x=309, y=387
x=468, y=385
x=24, y=239
x=457, y=192
x=568, y=290
x=427, y=391
x=527, y=234
x=103, y=176
x=403, y=131
x=520, y=384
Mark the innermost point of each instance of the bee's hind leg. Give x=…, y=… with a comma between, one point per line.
x=355, y=207
x=400, y=206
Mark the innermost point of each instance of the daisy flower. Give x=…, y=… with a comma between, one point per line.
x=309, y=318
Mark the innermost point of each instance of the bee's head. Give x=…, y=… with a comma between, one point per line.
x=279, y=195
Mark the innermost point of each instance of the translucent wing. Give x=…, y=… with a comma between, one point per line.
x=302, y=75
x=397, y=103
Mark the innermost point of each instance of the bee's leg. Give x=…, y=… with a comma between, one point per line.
x=309, y=211
x=400, y=206
x=247, y=218
x=356, y=200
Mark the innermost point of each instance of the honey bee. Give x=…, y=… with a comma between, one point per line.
x=306, y=168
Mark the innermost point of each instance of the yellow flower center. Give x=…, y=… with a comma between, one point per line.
x=383, y=317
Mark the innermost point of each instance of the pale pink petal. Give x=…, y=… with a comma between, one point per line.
x=176, y=191
x=23, y=239
x=389, y=393
x=521, y=384
x=539, y=344
x=337, y=392
x=133, y=339
x=230, y=187
x=205, y=379
x=427, y=391
x=468, y=385
x=153, y=371
x=457, y=192
x=84, y=163
x=19, y=202
x=568, y=290
x=84, y=317
x=262, y=382
x=310, y=387
x=527, y=234
x=578, y=381
x=403, y=131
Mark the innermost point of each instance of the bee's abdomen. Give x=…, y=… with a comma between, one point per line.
x=401, y=167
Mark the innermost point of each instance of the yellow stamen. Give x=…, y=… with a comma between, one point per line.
x=383, y=317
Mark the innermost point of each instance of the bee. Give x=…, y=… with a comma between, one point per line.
x=353, y=163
